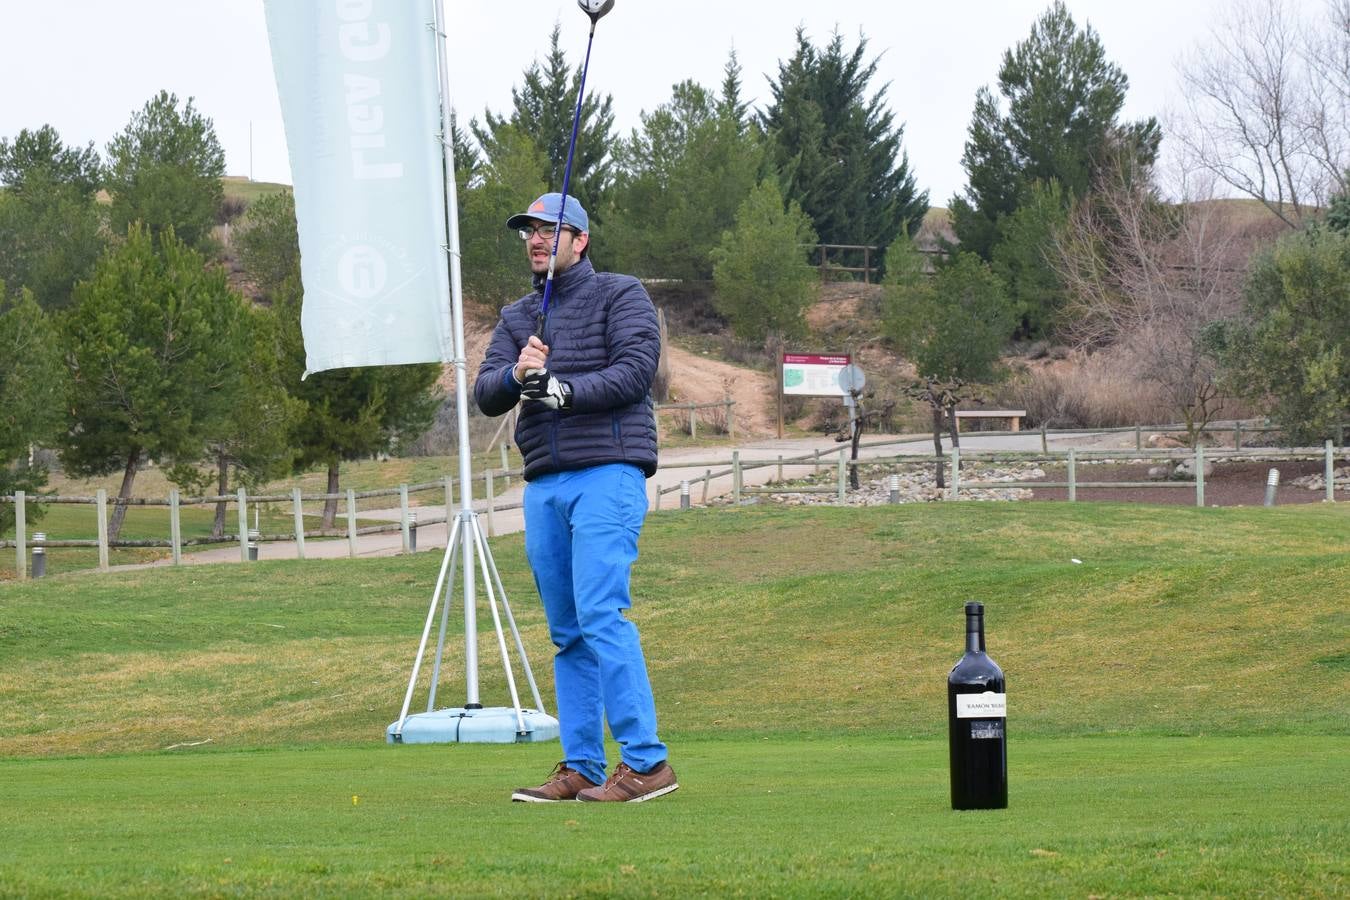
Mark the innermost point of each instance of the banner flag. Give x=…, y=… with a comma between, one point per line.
x=360, y=100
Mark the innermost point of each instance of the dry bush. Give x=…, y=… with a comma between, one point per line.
x=1087, y=391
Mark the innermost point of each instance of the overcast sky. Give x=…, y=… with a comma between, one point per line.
x=84, y=66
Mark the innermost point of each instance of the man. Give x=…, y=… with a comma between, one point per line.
x=587, y=431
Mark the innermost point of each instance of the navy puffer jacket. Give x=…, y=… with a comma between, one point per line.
x=603, y=341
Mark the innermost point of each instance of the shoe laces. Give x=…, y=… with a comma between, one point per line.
x=560, y=771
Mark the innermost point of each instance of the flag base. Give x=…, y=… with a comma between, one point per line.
x=457, y=725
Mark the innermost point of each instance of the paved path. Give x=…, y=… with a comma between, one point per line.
x=675, y=465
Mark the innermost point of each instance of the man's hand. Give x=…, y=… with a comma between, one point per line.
x=541, y=387
x=533, y=357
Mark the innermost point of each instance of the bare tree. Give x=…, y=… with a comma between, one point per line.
x=1146, y=279
x=1267, y=109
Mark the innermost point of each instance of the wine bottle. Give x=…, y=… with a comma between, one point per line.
x=977, y=717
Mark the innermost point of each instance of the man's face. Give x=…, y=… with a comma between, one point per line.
x=539, y=244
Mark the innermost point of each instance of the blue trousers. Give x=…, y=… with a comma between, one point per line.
x=581, y=533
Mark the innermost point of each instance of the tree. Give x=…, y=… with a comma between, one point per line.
x=1291, y=349
x=542, y=108
x=1060, y=127
x=32, y=388
x=838, y=151
x=1268, y=106
x=164, y=170
x=680, y=181
x=1027, y=235
x=251, y=435
x=42, y=151
x=510, y=177
x=1147, y=281
x=952, y=326
x=150, y=344
x=761, y=281
x=269, y=242
x=50, y=223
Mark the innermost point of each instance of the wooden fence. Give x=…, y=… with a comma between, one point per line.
x=728, y=405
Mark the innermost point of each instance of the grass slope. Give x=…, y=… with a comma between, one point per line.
x=1178, y=716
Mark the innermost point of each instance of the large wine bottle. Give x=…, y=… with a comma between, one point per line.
x=977, y=716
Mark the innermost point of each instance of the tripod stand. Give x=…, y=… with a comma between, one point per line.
x=471, y=722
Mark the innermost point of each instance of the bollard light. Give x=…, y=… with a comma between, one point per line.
x=895, y=488
x=684, y=495
x=1272, y=482
x=412, y=531
x=39, y=554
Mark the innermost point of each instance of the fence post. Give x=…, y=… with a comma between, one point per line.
x=1237, y=434
x=491, y=496
x=815, y=463
x=1331, y=475
x=20, y=538
x=780, y=467
x=956, y=473
x=299, y=510
x=707, y=477
x=351, y=523
x=1045, y=443
x=449, y=500
x=403, y=517
x=693, y=421
x=1138, y=439
x=506, y=466
x=1199, y=475
x=175, y=528
x=101, y=504
x=731, y=418
x=736, y=477
x=840, y=469
x=1073, y=476
x=243, y=526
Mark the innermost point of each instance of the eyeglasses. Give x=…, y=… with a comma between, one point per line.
x=545, y=231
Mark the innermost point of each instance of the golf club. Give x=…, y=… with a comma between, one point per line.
x=595, y=10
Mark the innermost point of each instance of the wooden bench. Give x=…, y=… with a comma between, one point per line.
x=1012, y=415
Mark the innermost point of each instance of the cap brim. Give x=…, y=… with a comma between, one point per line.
x=520, y=220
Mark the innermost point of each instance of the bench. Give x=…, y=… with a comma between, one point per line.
x=1012, y=415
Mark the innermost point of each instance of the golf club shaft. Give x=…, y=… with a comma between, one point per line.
x=567, y=182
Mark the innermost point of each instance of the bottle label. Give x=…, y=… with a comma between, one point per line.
x=982, y=706
x=986, y=729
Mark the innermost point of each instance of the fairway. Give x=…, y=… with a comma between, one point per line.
x=1177, y=696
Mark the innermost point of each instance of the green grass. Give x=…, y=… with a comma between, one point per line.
x=1178, y=723
x=241, y=187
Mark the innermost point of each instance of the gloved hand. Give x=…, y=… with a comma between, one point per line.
x=541, y=387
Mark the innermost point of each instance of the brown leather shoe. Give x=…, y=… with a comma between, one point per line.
x=629, y=786
x=563, y=784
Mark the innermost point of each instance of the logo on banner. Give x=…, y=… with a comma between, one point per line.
x=362, y=272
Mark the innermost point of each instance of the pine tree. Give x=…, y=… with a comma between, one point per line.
x=839, y=151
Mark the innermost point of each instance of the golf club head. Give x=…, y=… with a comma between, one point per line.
x=596, y=9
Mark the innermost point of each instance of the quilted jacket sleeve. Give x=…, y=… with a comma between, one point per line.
x=634, y=349
x=495, y=390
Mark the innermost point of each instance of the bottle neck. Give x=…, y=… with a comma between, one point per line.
x=974, y=633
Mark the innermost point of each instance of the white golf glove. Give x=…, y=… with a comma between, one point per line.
x=541, y=387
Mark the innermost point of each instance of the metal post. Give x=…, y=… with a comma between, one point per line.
x=412, y=531
x=956, y=473
x=840, y=480
x=1272, y=482
x=736, y=477
x=20, y=524
x=175, y=528
x=299, y=523
x=101, y=504
x=1331, y=475
x=684, y=494
x=243, y=526
x=895, y=488
x=491, y=496
x=1073, y=476
x=39, y=554
x=1199, y=475
x=351, y=523
x=403, y=516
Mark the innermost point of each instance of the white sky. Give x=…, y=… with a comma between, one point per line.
x=84, y=66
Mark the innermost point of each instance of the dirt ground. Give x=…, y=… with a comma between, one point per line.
x=1231, y=484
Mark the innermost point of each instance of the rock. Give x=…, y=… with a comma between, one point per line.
x=1186, y=469
x=1164, y=441
x=1160, y=473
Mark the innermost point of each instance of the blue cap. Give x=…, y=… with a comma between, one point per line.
x=545, y=209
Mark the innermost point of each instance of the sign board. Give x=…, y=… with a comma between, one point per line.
x=813, y=375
